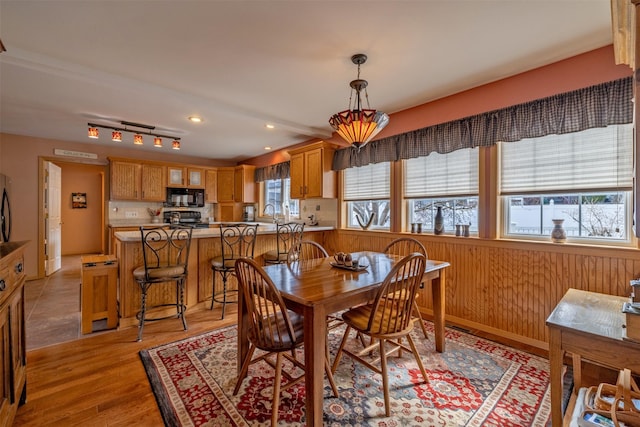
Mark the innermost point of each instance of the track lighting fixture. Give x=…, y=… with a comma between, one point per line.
x=141, y=129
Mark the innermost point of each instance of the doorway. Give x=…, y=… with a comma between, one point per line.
x=82, y=205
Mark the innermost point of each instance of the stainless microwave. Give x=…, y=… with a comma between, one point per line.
x=187, y=197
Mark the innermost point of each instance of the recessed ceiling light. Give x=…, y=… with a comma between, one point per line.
x=195, y=119
x=269, y=126
x=267, y=148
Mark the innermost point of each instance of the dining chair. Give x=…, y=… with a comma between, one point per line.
x=306, y=249
x=273, y=328
x=288, y=235
x=237, y=240
x=403, y=246
x=165, y=251
x=387, y=320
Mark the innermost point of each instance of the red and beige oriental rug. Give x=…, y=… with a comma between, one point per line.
x=475, y=382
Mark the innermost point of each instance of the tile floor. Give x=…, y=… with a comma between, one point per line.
x=52, y=306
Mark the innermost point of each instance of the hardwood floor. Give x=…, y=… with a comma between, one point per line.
x=100, y=380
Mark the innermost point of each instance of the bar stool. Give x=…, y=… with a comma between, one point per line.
x=236, y=241
x=287, y=236
x=165, y=250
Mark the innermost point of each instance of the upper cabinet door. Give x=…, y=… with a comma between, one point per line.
x=225, y=184
x=211, y=186
x=196, y=177
x=176, y=176
x=152, y=179
x=125, y=180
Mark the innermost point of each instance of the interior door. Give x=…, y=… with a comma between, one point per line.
x=53, y=220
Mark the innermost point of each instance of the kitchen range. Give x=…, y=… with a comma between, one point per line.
x=192, y=218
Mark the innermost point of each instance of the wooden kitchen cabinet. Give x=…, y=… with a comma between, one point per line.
x=225, y=185
x=125, y=180
x=176, y=176
x=137, y=181
x=310, y=172
x=195, y=178
x=211, y=186
x=244, y=183
x=152, y=178
x=13, y=359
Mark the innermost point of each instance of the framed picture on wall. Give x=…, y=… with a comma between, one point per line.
x=78, y=200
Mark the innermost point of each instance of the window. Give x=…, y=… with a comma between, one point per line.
x=584, y=178
x=446, y=180
x=366, y=196
x=276, y=192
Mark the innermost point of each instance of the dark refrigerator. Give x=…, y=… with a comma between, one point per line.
x=5, y=209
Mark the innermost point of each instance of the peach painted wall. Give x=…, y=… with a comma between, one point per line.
x=588, y=69
x=82, y=231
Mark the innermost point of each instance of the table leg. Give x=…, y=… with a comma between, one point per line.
x=315, y=331
x=555, y=375
x=438, y=294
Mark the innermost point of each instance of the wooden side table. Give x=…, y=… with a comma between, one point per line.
x=590, y=326
x=99, y=291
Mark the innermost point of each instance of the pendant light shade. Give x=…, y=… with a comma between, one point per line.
x=93, y=133
x=137, y=139
x=116, y=136
x=175, y=145
x=358, y=125
x=157, y=142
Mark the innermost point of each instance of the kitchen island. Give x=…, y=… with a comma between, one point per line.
x=205, y=245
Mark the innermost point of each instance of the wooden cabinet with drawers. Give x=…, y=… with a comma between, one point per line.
x=13, y=357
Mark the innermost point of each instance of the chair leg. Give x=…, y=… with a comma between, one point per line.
x=143, y=308
x=213, y=289
x=385, y=378
x=418, y=359
x=245, y=368
x=339, y=352
x=418, y=315
x=224, y=293
x=181, y=307
x=276, y=390
x=327, y=369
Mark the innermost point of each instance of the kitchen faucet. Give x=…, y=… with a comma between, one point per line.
x=273, y=211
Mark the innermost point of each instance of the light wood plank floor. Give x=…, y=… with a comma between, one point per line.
x=100, y=380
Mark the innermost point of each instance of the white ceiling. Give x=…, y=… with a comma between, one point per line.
x=242, y=64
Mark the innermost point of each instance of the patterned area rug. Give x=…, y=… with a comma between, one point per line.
x=475, y=382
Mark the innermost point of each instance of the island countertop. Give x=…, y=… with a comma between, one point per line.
x=263, y=228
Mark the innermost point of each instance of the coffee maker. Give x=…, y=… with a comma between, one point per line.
x=249, y=213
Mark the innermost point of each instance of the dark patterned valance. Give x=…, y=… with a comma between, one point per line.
x=595, y=106
x=277, y=171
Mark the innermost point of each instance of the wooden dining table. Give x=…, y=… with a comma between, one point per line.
x=315, y=289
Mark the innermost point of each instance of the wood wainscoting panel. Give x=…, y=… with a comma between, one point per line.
x=507, y=287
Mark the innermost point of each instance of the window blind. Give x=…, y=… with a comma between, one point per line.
x=452, y=174
x=369, y=182
x=594, y=159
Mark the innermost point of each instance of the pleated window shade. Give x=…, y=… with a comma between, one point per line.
x=598, y=159
x=438, y=175
x=370, y=182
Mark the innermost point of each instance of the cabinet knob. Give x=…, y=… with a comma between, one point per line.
x=3, y=285
x=19, y=267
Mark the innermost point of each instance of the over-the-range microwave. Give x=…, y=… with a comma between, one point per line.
x=187, y=197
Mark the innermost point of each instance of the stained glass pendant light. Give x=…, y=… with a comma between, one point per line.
x=358, y=126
